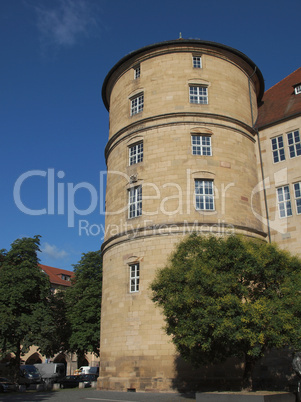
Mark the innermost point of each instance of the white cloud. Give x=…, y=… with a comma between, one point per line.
x=67, y=22
x=53, y=252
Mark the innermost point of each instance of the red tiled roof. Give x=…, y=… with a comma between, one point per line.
x=280, y=102
x=55, y=275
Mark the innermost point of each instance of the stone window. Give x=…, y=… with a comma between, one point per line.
x=297, y=188
x=137, y=104
x=198, y=94
x=134, y=277
x=137, y=72
x=136, y=153
x=204, y=195
x=294, y=143
x=278, y=149
x=201, y=145
x=135, y=202
x=284, y=201
x=197, y=62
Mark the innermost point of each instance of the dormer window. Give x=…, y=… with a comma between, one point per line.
x=298, y=89
x=65, y=277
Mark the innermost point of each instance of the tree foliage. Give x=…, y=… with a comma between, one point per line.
x=56, y=330
x=225, y=297
x=24, y=297
x=83, y=301
x=31, y=314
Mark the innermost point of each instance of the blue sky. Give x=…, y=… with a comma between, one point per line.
x=55, y=55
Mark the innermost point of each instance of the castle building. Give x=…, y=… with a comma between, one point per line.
x=183, y=156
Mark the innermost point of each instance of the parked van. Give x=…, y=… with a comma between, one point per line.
x=87, y=370
x=29, y=375
x=51, y=372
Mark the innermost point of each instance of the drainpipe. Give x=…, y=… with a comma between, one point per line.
x=260, y=157
x=264, y=189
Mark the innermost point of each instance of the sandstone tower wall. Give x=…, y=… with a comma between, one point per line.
x=191, y=106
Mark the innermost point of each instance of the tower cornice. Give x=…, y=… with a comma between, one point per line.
x=198, y=118
x=246, y=63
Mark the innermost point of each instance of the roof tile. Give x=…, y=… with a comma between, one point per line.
x=280, y=101
x=55, y=275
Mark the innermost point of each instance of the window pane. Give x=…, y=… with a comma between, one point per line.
x=136, y=153
x=134, y=278
x=281, y=154
x=204, y=196
x=274, y=143
x=137, y=72
x=278, y=149
x=294, y=143
x=201, y=145
x=197, y=62
x=135, y=202
x=280, y=194
x=284, y=203
x=198, y=94
x=137, y=104
x=297, y=189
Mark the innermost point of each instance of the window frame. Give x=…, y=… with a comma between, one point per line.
x=297, y=195
x=137, y=72
x=137, y=104
x=276, y=152
x=137, y=156
x=293, y=146
x=134, y=202
x=284, y=203
x=134, y=277
x=201, y=98
x=201, y=146
x=197, y=61
x=205, y=198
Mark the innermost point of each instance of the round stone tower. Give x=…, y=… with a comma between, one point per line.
x=181, y=158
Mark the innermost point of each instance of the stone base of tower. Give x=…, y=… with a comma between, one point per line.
x=273, y=372
x=171, y=374
x=135, y=384
x=138, y=373
x=185, y=379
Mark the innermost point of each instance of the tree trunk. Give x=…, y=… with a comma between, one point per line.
x=17, y=361
x=247, y=382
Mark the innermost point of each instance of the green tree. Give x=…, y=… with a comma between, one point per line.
x=56, y=330
x=83, y=301
x=225, y=297
x=24, y=295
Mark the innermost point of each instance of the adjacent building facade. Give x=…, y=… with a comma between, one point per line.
x=279, y=126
